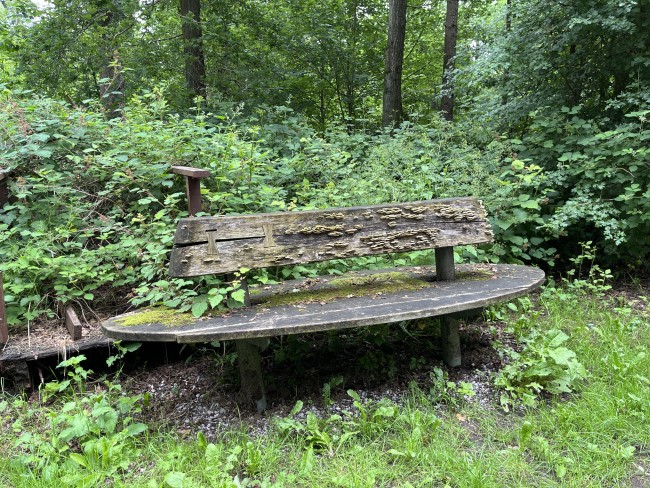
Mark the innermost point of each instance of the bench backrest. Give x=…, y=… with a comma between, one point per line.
x=224, y=244
x=216, y=245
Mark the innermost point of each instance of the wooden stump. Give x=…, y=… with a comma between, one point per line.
x=250, y=371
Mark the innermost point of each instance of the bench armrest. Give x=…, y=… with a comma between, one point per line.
x=193, y=185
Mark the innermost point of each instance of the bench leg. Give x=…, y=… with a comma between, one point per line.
x=450, y=341
x=250, y=371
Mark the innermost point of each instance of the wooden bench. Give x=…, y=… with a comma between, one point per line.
x=225, y=244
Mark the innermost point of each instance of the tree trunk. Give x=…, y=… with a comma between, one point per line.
x=350, y=65
x=392, y=103
x=111, y=84
x=111, y=88
x=506, y=73
x=190, y=11
x=451, y=33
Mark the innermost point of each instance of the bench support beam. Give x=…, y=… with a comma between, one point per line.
x=450, y=341
x=250, y=371
x=445, y=270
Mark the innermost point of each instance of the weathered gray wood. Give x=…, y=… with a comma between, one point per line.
x=450, y=341
x=191, y=172
x=72, y=323
x=192, y=231
x=440, y=298
x=445, y=264
x=250, y=372
x=214, y=245
x=13, y=354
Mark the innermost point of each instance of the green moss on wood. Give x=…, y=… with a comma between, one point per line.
x=159, y=315
x=474, y=275
x=367, y=279
x=352, y=286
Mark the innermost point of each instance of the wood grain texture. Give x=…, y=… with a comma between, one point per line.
x=191, y=172
x=72, y=323
x=508, y=281
x=213, y=245
x=67, y=350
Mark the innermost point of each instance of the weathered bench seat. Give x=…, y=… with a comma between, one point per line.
x=315, y=304
x=225, y=244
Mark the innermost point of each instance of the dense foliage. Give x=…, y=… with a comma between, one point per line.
x=94, y=203
x=551, y=131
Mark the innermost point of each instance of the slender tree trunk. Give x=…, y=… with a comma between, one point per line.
x=190, y=11
x=506, y=73
x=111, y=83
x=451, y=33
x=111, y=88
x=392, y=103
x=351, y=64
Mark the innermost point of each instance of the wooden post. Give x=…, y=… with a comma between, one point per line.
x=445, y=270
x=192, y=186
x=450, y=339
x=4, y=330
x=72, y=323
x=250, y=371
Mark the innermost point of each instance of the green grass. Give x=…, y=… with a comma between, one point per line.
x=597, y=436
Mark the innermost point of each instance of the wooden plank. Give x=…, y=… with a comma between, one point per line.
x=441, y=298
x=213, y=245
x=72, y=323
x=4, y=329
x=191, y=172
x=342, y=219
x=12, y=354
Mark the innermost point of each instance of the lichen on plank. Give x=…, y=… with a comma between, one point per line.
x=349, y=287
x=158, y=315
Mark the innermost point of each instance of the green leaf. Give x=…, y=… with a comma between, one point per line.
x=134, y=429
x=557, y=337
x=105, y=418
x=79, y=459
x=215, y=300
x=562, y=355
x=239, y=295
x=296, y=408
x=199, y=308
x=177, y=479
